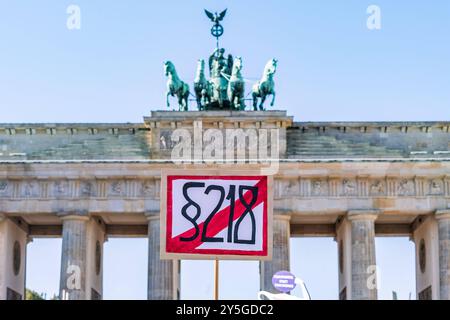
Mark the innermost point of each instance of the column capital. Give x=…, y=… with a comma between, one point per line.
x=442, y=214
x=80, y=215
x=152, y=215
x=364, y=214
x=74, y=215
x=282, y=217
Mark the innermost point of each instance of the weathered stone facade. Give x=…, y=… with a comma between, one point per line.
x=352, y=181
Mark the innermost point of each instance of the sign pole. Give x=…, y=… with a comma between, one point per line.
x=216, y=279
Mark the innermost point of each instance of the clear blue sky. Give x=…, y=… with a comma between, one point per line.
x=331, y=67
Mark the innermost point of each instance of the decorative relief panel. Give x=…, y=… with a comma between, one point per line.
x=436, y=187
x=116, y=188
x=405, y=188
x=60, y=189
x=284, y=188
x=147, y=188
x=87, y=189
x=349, y=188
x=319, y=187
x=377, y=188
x=361, y=187
x=288, y=188
x=29, y=189
x=6, y=188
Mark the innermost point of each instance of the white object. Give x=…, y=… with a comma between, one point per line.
x=264, y=295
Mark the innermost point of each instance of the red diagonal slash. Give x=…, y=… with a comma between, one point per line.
x=218, y=223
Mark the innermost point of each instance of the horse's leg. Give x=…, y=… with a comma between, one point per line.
x=238, y=101
x=255, y=101
x=185, y=99
x=263, y=99
x=206, y=100
x=273, y=99
x=167, y=99
x=180, y=102
x=202, y=99
x=199, y=102
x=241, y=98
x=208, y=95
x=198, y=97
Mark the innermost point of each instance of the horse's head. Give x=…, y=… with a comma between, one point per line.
x=271, y=67
x=237, y=65
x=200, y=65
x=200, y=70
x=168, y=67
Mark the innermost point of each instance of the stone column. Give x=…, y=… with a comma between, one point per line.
x=343, y=240
x=280, y=252
x=162, y=274
x=94, y=260
x=363, y=262
x=73, y=258
x=425, y=236
x=443, y=218
x=13, y=242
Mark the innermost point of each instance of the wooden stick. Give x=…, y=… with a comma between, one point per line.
x=216, y=279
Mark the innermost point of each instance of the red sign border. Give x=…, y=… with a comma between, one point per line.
x=205, y=254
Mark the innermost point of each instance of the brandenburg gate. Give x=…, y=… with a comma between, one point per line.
x=352, y=181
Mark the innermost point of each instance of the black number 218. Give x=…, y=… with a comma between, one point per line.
x=233, y=233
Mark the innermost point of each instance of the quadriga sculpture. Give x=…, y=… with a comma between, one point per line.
x=265, y=86
x=176, y=87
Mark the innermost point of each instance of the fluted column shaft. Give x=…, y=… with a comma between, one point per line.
x=363, y=259
x=280, y=252
x=161, y=280
x=73, y=258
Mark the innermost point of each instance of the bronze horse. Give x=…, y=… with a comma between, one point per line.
x=176, y=87
x=202, y=87
x=265, y=86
